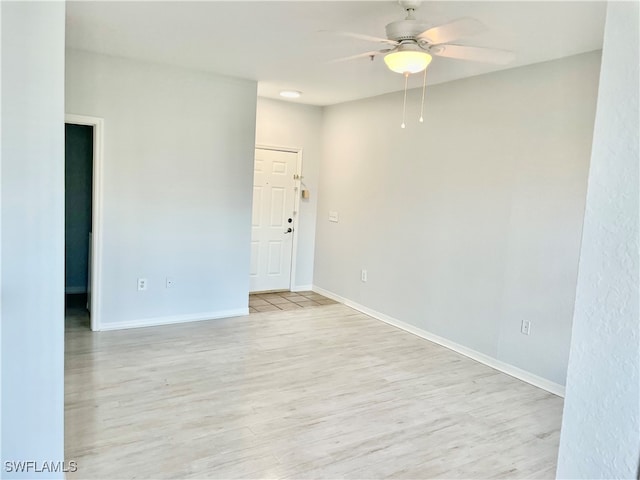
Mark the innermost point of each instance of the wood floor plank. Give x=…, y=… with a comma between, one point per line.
x=325, y=392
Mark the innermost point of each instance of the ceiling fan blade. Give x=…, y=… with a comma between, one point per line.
x=448, y=32
x=361, y=55
x=474, y=54
x=361, y=36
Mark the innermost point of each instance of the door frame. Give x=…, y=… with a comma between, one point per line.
x=296, y=203
x=96, y=211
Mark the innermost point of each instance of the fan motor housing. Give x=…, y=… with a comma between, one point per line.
x=405, y=30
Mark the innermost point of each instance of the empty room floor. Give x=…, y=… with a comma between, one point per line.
x=270, y=302
x=323, y=392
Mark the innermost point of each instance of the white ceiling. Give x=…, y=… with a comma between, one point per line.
x=280, y=44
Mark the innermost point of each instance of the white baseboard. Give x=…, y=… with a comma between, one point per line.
x=494, y=363
x=157, y=321
x=74, y=290
x=302, y=288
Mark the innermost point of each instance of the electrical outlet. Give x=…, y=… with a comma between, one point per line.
x=525, y=329
x=142, y=284
x=363, y=275
x=170, y=283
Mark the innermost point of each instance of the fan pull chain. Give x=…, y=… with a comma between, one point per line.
x=424, y=87
x=404, y=104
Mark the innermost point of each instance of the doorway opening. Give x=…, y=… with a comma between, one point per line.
x=276, y=187
x=83, y=167
x=78, y=190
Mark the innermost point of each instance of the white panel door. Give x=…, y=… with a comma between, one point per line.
x=272, y=220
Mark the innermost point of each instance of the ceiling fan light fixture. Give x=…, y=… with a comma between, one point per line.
x=407, y=61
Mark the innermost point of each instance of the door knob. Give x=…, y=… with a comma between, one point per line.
x=289, y=230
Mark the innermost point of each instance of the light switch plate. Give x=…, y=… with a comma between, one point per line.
x=333, y=217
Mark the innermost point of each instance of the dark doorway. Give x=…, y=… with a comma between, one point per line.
x=78, y=208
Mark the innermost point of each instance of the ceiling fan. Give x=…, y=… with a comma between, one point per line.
x=412, y=42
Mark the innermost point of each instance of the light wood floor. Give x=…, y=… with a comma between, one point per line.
x=324, y=392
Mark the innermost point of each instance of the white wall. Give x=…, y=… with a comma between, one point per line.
x=32, y=226
x=601, y=422
x=286, y=124
x=468, y=223
x=178, y=171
